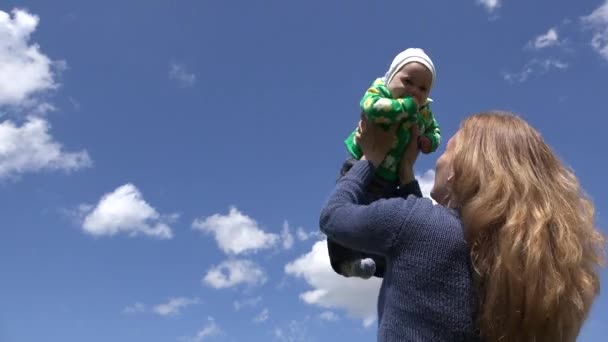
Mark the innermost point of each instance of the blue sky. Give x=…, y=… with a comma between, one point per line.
x=163, y=164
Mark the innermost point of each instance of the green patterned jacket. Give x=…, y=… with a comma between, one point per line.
x=380, y=108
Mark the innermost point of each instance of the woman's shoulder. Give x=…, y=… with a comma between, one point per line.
x=435, y=220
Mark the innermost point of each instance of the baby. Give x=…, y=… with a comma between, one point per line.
x=400, y=97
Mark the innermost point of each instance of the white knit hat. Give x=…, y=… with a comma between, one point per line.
x=408, y=56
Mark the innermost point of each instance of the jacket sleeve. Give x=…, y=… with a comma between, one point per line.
x=370, y=228
x=380, y=108
x=432, y=130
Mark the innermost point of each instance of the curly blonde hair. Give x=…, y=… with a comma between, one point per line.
x=535, y=248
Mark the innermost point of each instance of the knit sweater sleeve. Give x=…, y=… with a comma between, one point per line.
x=370, y=228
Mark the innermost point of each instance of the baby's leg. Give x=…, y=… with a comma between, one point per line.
x=361, y=268
x=341, y=257
x=351, y=263
x=379, y=189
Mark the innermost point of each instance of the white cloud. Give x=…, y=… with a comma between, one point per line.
x=426, y=181
x=30, y=148
x=597, y=21
x=535, y=66
x=178, y=73
x=356, y=296
x=296, y=331
x=235, y=272
x=286, y=236
x=303, y=235
x=328, y=316
x=125, y=211
x=135, y=308
x=209, y=330
x=490, y=5
x=262, y=316
x=279, y=334
x=174, y=305
x=24, y=70
x=250, y=302
x=545, y=40
x=236, y=233
x=25, y=75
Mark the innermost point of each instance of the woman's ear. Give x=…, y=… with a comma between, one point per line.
x=450, y=177
x=448, y=187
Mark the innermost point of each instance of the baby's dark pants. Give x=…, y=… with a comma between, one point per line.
x=338, y=254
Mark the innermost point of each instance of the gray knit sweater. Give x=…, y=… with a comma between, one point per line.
x=427, y=292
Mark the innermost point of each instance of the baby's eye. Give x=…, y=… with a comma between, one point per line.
x=422, y=89
x=408, y=82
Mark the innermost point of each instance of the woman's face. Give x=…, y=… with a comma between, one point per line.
x=443, y=174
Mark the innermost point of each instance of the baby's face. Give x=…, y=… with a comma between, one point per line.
x=414, y=80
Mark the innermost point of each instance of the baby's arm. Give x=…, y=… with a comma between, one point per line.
x=380, y=108
x=431, y=137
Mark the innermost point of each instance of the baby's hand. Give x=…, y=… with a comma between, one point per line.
x=417, y=104
x=383, y=105
x=425, y=144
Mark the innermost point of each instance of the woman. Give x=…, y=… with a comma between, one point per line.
x=510, y=254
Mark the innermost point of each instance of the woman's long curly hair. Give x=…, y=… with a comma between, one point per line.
x=535, y=248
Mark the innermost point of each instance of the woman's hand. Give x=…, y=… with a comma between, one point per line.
x=375, y=142
x=408, y=159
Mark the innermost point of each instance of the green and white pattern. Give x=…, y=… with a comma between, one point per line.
x=380, y=108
